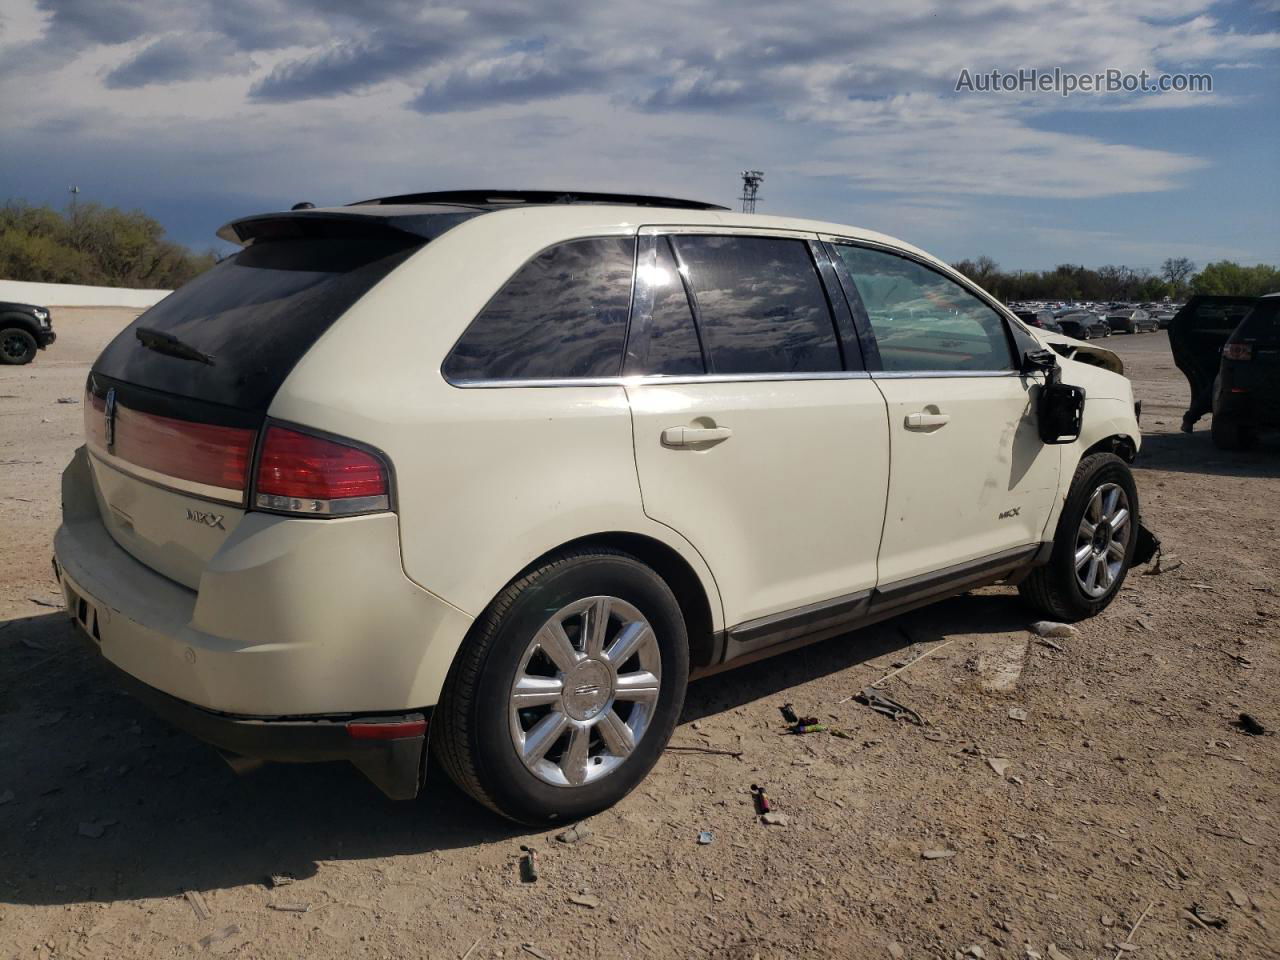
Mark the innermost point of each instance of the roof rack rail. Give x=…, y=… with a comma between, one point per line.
x=502, y=198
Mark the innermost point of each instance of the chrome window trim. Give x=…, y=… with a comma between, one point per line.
x=939, y=374
x=652, y=379
x=155, y=478
x=715, y=229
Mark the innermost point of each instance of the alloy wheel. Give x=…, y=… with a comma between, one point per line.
x=1102, y=540
x=585, y=692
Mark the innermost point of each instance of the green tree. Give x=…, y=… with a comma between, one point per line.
x=96, y=245
x=1227, y=278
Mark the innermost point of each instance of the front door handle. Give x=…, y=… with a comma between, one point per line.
x=927, y=421
x=691, y=436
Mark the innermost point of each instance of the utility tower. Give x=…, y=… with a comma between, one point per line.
x=751, y=180
x=74, y=191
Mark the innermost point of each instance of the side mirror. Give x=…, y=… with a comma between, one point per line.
x=1038, y=361
x=1060, y=412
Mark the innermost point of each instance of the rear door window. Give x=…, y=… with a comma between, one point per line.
x=924, y=321
x=562, y=316
x=253, y=315
x=760, y=304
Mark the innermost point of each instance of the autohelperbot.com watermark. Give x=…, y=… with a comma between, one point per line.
x=1066, y=83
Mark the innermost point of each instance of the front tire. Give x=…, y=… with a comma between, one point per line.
x=1093, y=545
x=567, y=688
x=17, y=346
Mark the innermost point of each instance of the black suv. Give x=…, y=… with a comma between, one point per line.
x=1246, y=394
x=24, y=329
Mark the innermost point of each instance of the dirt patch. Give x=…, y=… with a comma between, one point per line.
x=1123, y=791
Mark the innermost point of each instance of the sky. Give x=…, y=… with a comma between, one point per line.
x=199, y=111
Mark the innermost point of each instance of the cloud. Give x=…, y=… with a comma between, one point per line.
x=179, y=57
x=516, y=78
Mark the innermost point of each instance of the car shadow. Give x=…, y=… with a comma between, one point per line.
x=100, y=801
x=1195, y=453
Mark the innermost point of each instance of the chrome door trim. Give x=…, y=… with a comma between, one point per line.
x=656, y=379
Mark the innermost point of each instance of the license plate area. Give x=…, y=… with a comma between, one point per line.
x=84, y=613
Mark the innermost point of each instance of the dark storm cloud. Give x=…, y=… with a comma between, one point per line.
x=178, y=57
x=79, y=23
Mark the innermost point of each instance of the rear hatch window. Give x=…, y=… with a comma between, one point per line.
x=251, y=317
x=171, y=428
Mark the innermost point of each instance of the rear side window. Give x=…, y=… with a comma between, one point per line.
x=924, y=321
x=1262, y=325
x=668, y=345
x=760, y=302
x=562, y=316
x=255, y=313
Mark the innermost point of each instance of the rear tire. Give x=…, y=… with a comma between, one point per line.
x=1088, y=566
x=540, y=744
x=1230, y=433
x=17, y=346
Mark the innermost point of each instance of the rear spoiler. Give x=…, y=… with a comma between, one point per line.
x=320, y=223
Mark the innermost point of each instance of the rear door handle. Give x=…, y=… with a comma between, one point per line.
x=689, y=436
x=927, y=421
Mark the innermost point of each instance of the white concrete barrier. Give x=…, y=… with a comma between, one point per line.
x=74, y=295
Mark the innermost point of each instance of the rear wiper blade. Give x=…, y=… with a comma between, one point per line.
x=168, y=344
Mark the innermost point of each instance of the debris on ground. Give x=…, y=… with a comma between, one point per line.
x=1051, y=628
x=93, y=829
x=1018, y=714
x=975, y=951
x=198, y=905
x=911, y=663
x=760, y=799
x=1046, y=642
x=705, y=837
x=878, y=702
x=218, y=936
x=789, y=713
x=579, y=831
x=291, y=907
x=1165, y=563
x=941, y=853
x=775, y=819
x=1201, y=917
x=533, y=951
x=584, y=899
x=43, y=603
x=999, y=764
x=1054, y=953
x=66, y=400
x=1238, y=897
x=281, y=879
x=1247, y=723
x=529, y=865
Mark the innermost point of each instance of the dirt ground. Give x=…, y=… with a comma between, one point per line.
x=1128, y=796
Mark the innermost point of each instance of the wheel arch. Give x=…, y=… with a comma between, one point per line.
x=21, y=321
x=1122, y=445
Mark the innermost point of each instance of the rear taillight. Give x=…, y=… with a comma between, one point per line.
x=1237, y=351
x=201, y=458
x=315, y=476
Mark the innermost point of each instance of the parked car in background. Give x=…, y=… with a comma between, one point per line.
x=1130, y=320
x=1042, y=319
x=24, y=329
x=499, y=472
x=1083, y=325
x=1164, y=317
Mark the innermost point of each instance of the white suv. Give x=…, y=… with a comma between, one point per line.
x=500, y=473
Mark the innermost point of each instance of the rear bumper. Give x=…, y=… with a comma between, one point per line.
x=297, y=628
x=395, y=763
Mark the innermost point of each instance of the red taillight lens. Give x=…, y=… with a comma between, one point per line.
x=164, y=449
x=301, y=473
x=1237, y=351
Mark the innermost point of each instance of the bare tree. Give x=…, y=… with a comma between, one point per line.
x=1177, y=270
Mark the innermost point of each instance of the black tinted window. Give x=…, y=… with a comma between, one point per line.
x=921, y=319
x=1263, y=323
x=563, y=315
x=256, y=313
x=668, y=345
x=761, y=306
